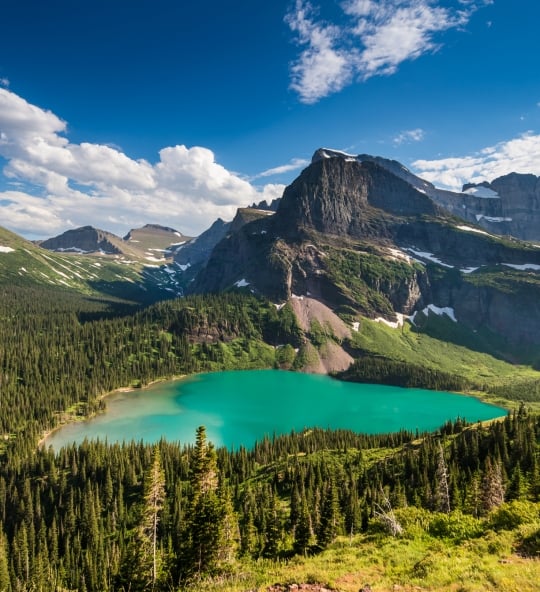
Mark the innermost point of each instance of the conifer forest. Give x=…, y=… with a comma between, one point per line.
x=173, y=516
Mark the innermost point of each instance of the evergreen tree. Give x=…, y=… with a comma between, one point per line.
x=329, y=523
x=492, y=486
x=5, y=584
x=442, y=492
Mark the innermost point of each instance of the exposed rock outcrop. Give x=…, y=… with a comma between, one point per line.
x=358, y=237
x=86, y=239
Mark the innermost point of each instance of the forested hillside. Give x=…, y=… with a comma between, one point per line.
x=173, y=516
x=141, y=517
x=60, y=352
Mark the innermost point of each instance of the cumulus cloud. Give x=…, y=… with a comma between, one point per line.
x=518, y=155
x=322, y=68
x=414, y=135
x=62, y=184
x=295, y=164
x=376, y=37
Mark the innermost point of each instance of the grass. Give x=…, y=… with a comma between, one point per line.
x=484, y=369
x=420, y=562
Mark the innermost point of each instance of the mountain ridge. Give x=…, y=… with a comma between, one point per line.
x=361, y=239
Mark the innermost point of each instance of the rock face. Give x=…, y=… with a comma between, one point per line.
x=509, y=205
x=198, y=250
x=155, y=236
x=516, y=210
x=86, y=239
x=359, y=238
x=340, y=196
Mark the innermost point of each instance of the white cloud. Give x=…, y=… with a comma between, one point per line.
x=518, y=155
x=414, y=135
x=322, y=68
x=295, y=164
x=62, y=184
x=375, y=39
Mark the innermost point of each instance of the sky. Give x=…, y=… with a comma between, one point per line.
x=119, y=113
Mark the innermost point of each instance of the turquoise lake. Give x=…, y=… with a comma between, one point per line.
x=240, y=407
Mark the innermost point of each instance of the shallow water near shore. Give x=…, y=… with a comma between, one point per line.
x=240, y=407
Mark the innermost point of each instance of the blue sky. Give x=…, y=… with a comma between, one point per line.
x=118, y=113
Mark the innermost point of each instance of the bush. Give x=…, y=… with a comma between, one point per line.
x=456, y=525
x=513, y=514
x=531, y=544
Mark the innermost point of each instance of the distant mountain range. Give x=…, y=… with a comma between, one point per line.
x=355, y=237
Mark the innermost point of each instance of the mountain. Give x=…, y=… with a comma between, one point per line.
x=509, y=205
x=152, y=242
x=86, y=239
x=100, y=275
x=368, y=242
x=153, y=237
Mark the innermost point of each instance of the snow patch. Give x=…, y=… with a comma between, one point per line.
x=438, y=310
x=71, y=250
x=429, y=256
x=6, y=250
x=524, y=267
x=153, y=259
x=241, y=283
x=468, y=269
x=330, y=153
x=483, y=192
x=393, y=324
x=183, y=267
x=497, y=219
x=471, y=229
x=153, y=266
x=265, y=212
x=397, y=254
x=23, y=269
x=296, y=297
x=279, y=306
x=356, y=326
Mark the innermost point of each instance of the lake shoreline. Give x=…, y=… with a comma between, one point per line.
x=103, y=397
x=234, y=406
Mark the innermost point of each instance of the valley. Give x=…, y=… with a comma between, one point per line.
x=359, y=272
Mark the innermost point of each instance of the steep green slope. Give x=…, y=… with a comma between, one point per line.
x=24, y=264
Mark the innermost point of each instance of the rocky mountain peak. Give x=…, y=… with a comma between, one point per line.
x=86, y=239
x=339, y=194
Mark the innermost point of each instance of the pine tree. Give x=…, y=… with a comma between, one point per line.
x=154, y=499
x=142, y=565
x=492, y=486
x=329, y=523
x=442, y=492
x=5, y=585
x=303, y=533
x=211, y=517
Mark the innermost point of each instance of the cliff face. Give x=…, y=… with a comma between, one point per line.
x=85, y=239
x=361, y=239
x=509, y=205
x=346, y=197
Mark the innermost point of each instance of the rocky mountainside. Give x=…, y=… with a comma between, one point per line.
x=368, y=243
x=509, y=205
x=86, y=239
x=153, y=237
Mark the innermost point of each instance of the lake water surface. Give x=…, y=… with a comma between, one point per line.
x=240, y=407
